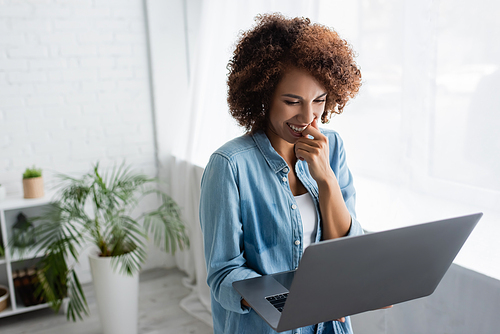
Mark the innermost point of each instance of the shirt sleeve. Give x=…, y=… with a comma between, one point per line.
x=220, y=218
x=346, y=183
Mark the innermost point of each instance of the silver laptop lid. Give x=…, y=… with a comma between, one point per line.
x=351, y=275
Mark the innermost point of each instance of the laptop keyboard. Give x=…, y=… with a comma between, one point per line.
x=278, y=301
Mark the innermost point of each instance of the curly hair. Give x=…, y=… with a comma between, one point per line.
x=276, y=43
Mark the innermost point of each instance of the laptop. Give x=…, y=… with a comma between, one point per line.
x=346, y=276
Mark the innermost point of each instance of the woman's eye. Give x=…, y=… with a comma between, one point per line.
x=291, y=102
x=319, y=101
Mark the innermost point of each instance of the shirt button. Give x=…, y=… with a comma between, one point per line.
x=284, y=179
x=297, y=242
x=294, y=206
x=285, y=170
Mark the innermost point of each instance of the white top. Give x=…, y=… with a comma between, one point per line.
x=309, y=218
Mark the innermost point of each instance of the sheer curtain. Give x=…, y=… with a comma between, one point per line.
x=192, y=118
x=421, y=137
x=220, y=24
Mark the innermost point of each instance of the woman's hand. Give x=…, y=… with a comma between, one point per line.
x=336, y=219
x=316, y=153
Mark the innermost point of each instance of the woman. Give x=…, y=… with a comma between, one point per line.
x=285, y=184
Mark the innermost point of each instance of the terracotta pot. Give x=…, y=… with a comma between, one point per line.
x=33, y=187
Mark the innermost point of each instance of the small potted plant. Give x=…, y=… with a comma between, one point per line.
x=33, y=183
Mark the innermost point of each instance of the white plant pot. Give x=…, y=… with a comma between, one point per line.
x=117, y=297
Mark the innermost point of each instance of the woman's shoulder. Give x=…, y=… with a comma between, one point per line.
x=236, y=146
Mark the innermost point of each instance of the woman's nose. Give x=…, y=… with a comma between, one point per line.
x=307, y=114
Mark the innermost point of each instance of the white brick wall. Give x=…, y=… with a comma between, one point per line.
x=74, y=87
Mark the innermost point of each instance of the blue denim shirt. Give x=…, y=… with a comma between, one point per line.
x=251, y=224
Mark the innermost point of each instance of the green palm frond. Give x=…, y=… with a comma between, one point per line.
x=165, y=225
x=96, y=209
x=77, y=303
x=129, y=263
x=61, y=227
x=58, y=281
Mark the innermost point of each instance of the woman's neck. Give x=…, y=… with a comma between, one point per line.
x=285, y=149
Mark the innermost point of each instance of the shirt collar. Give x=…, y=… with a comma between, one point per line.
x=274, y=160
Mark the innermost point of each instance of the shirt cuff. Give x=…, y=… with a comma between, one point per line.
x=229, y=298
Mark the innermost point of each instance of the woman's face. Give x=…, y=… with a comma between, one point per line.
x=297, y=101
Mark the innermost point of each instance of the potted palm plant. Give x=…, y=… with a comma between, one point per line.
x=97, y=209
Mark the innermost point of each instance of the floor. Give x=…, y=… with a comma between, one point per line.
x=160, y=292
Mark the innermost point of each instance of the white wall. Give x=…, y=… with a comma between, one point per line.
x=74, y=89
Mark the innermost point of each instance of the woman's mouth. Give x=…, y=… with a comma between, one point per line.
x=297, y=129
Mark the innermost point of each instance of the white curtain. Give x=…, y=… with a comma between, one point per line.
x=221, y=22
x=190, y=131
x=422, y=136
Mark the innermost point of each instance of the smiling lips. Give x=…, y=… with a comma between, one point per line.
x=297, y=129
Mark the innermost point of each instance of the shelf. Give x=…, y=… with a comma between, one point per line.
x=18, y=202
x=9, y=210
x=28, y=255
x=21, y=309
x=6, y=312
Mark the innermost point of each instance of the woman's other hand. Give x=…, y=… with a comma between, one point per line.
x=315, y=151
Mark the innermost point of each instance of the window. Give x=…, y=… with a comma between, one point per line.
x=422, y=136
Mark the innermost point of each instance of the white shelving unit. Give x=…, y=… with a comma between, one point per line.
x=9, y=209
